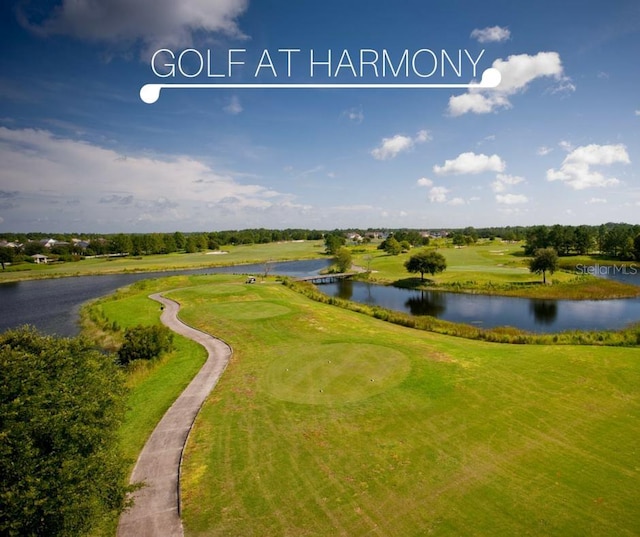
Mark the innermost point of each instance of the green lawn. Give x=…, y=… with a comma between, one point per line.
x=331, y=423
x=327, y=422
x=494, y=268
x=254, y=253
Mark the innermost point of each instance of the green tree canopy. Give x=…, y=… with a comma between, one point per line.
x=343, y=259
x=333, y=241
x=144, y=343
x=61, y=403
x=392, y=246
x=544, y=260
x=426, y=261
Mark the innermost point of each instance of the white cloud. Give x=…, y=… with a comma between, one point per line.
x=391, y=147
x=438, y=194
x=511, y=199
x=470, y=163
x=576, y=169
x=517, y=72
x=544, y=150
x=457, y=201
x=115, y=190
x=157, y=23
x=493, y=34
x=565, y=145
x=637, y=112
x=422, y=136
x=593, y=201
x=504, y=181
x=423, y=181
x=234, y=107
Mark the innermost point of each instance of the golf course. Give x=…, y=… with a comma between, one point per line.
x=330, y=422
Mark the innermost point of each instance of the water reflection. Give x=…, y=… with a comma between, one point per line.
x=427, y=303
x=534, y=315
x=544, y=311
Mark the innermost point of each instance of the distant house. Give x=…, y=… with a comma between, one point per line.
x=48, y=243
x=39, y=258
x=78, y=243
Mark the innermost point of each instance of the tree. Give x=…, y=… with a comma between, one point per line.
x=6, y=255
x=426, y=261
x=61, y=405
x=392, y=246
x=145, y=343
x=121, y=244
x=333, y=241
x=545, y=259
x=343, y=259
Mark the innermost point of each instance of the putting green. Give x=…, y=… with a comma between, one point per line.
x=335, y=373
x=251, y=310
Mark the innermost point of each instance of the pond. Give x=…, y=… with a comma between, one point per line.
x=53, y=305
x=490, y=311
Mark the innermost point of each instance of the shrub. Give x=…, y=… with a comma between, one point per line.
x=145, y=343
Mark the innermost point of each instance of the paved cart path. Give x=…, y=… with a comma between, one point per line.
x=156, y=511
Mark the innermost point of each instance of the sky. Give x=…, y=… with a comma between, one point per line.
x=557, y=141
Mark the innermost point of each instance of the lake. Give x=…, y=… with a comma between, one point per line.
x=52, y=305
x=489, y=311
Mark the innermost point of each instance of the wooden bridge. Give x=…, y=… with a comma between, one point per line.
x=327, y=278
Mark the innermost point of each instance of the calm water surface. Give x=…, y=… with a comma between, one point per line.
x=490, y=311
x=52, y=306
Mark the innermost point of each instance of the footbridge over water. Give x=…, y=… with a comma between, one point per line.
x=327, y=278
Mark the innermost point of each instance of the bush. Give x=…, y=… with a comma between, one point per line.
x=61, y=404
x=145, y=343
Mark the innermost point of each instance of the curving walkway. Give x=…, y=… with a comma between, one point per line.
x=156, y=511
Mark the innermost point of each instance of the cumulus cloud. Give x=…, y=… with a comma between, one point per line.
x=457, y=201
x=577, y=167
x=492, y=34
x=593, y=201
x=438, y=194
x=517, y=71
x=392, y=147
x=504, y=181
x=116, y=190
x=544, y=150
x=166, y=23
x=470, y=163
x=423, y=181
x=511, y=199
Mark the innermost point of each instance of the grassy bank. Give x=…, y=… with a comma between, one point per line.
x=494, y=269
x=153, y=386
x=235, y=255
x=627, y=337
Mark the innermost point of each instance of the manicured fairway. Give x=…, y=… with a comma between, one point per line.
x=412, y=433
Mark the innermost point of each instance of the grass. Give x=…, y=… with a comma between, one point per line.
x=242, y=254
x=459, y=438
x=153, y=386
x=496, y=269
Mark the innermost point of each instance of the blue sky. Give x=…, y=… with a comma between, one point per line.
x=556, y=142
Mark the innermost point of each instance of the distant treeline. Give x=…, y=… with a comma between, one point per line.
x=617, y=240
